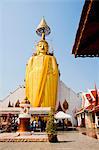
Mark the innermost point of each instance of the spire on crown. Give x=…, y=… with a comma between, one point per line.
x=43, y=29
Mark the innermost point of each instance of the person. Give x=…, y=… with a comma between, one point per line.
x=45, y=122
x=39, y=123
x=42, y=75
x=34, y=125
x=42, y=125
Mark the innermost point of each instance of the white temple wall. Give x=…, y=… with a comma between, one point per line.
x=64, y=93
x=74, y=104
x=71, y=97
x=18, y=94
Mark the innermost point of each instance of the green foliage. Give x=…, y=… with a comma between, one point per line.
x=51, y=126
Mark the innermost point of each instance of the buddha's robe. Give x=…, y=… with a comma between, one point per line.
x=42, y=81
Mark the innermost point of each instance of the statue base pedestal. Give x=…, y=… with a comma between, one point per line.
x=24, y=125
x=23, y=133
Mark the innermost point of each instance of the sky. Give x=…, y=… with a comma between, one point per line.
x=18, y=22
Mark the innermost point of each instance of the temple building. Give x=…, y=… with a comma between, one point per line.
x=87, y=45
x=68, y=100
x=88, y=114
x=87, y=37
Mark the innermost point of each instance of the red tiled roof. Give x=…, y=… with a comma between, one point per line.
x=79, y=111
x=88, y=96
x=97, y=108
x=93, y=93
x=90, y=107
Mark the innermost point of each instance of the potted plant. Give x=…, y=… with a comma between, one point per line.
x=51, y=128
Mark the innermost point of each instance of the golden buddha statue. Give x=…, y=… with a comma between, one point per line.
x=42, y=73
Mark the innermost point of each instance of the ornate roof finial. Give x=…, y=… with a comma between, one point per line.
x=43, y=29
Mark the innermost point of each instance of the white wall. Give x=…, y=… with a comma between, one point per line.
x=71, y=97
x=63, y=93
x=18, y=94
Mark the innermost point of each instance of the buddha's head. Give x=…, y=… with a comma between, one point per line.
x=42, y=47
x=42, y=30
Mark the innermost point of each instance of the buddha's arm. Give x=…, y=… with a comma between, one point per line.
x=54, y=65
x=28, y=70
x=54, y=82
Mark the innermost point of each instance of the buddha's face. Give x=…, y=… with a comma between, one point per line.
x=42, y=47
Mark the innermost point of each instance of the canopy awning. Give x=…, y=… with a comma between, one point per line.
x=62, y=115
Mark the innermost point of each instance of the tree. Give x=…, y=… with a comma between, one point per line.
x=51, y=128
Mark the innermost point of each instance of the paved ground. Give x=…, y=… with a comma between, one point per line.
x=67, y=141
x=16, y=137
